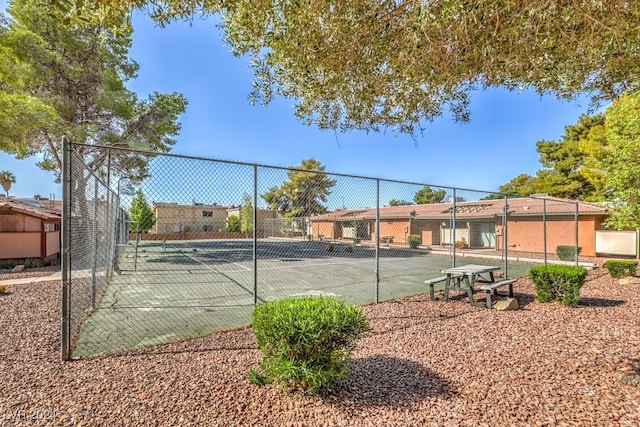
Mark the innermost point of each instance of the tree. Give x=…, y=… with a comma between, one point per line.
x=394, y=202
x=427, y=196
x=141, y=215
x=308, y=186
x=57, y=80
x=564, y=161
x=372, y=64
x=623, y=161
x=572, y=166
x=233, y=223
x=246, y=214
x=522, y=185
x=6, y=179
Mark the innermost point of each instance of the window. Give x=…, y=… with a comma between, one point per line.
x=207, y=213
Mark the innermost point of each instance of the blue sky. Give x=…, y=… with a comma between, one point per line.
x=497, y=145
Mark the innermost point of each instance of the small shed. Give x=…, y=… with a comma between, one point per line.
x=28, y=230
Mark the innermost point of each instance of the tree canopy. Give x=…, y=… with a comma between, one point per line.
x=141, y=216
x=378, y=64
x=571, y=166
x=305, y=191
x=426, y=196
x=622, y=162
x=233, y=223
x=57, y=80
x=396, y=202
x=246, y=214
x=6, y=180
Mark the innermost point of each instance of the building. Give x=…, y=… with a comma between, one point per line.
x=175, y=218
x=264, y=218
x=478, y=224
x=200, y=220
x=28, y=229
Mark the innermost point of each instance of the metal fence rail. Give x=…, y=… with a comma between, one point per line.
x=224, y=236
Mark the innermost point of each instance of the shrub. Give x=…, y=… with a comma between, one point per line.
x=34, y=263
x=306, y=342
x=558, y=283
x=461, y=244
x=233, y=224
x=357, y=240
x=567, y=253
x=414, y=240
x=621, y=268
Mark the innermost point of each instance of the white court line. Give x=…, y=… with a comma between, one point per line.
x=215, y=256
x=297, y=264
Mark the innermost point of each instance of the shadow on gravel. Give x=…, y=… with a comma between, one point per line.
x=599, y=302
x=389, y=381
x=526, y=299
x=633, y=377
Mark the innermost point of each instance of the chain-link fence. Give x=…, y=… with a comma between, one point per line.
x=187, y=246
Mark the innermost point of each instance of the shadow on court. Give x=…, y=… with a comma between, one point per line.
x=179, y=290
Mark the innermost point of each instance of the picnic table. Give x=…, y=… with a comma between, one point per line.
x=466, y=277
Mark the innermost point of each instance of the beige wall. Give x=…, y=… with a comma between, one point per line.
x=172, y=218
x=189, y=218
x=526, y=234
x=20, y=245
x=324, y=229
x=17, y=222
x=52, y=243
x=262, y=214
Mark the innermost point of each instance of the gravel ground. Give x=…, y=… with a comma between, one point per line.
x=425, y=363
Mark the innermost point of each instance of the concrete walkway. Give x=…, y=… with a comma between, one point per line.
x=28, y=280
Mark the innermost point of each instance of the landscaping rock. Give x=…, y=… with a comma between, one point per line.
x=507, y=304
x=629, y=281
x=18, y=268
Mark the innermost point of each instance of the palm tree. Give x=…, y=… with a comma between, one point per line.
x=6, y=179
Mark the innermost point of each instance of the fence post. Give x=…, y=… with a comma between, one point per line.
x=576, y=218
x=544, y=228
x=377, y=241
x=255, y=234
x=94, y=241
x=65, y=321
x=453, y=228
x=505, y=242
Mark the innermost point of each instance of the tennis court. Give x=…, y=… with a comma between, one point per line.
x=174, y=290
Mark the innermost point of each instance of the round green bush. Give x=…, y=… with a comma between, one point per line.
x=306, y=342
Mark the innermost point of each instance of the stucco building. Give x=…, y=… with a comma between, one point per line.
x=28, y=230
x=478, y=224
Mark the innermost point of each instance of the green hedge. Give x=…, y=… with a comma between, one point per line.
x=560, y=283
x=414, y=240
x=567, y=253
x=306, y=342
x=621, y=268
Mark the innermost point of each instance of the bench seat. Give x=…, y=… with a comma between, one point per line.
x=489, y=287
x=432, y=283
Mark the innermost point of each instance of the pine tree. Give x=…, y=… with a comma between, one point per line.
x=141, y=215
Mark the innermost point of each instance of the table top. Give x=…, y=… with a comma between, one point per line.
x=470, y=269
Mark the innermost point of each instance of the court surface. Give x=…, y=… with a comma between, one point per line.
x=175, y=290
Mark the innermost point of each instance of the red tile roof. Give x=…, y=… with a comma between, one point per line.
x=23, y=208
x=472, y=209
